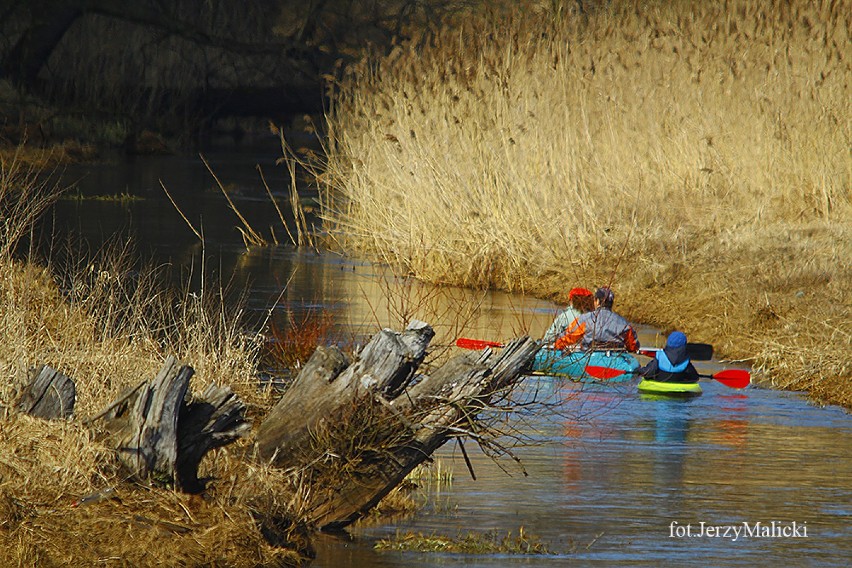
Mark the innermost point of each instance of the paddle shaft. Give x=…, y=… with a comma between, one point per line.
x=695, y=351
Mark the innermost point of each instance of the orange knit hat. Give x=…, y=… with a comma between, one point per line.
x=578, y=292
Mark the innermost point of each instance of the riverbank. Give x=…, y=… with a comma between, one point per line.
x=693, y=157
x=65, y=498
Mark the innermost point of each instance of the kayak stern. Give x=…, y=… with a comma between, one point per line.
x=671, y=389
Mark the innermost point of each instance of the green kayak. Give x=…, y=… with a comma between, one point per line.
x=674, y=389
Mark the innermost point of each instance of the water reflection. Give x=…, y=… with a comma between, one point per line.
x=608, y=470
x=619, y=479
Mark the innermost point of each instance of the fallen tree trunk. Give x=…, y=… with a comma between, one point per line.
x=329, y=381
x=358, y=428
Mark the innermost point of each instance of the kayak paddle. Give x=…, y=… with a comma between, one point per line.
x=695, y=351
x=733, y=378
x=476, y=344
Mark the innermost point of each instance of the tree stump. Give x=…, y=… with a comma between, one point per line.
x=360, y=427
x=213, y=420
x=160, y=436
x=329, y=381
x=49, y=395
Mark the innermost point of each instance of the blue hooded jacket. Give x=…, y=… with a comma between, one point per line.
x=671, y=364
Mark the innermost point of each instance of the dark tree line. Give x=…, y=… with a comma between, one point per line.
x=196, y=58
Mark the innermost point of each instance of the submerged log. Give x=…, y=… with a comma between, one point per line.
x=359, y=428
x=160, y=435
x=49, y=395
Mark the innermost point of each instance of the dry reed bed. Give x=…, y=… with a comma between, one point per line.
x=694, y=156
x=108, y=331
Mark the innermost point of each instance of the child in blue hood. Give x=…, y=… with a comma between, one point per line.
x=671, y=364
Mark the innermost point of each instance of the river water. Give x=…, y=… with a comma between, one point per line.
x=731, y=478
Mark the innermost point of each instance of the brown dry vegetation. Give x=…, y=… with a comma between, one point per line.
x=46, y=466
x=24, y=138
x=108, y=331
x=696, y=156
x=64, y=497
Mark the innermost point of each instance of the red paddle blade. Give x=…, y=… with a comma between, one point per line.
x=604, y=372
x=734, y=378
x=476, y=344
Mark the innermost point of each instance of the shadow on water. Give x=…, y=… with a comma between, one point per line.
x=613, y=478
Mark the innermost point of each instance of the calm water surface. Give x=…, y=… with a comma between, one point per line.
x=613, y=477
x=607, y=490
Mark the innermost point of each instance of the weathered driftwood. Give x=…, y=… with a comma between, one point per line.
x=49, y=395
x=159, y=435
x=329, y=381
x=369, y=426
x=213, y=420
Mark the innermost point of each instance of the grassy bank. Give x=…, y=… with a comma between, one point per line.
x=64, y=499
x=694, y=156
x=106, y=322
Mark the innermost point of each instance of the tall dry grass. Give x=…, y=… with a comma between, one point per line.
x=696, y=156
x=109, y=326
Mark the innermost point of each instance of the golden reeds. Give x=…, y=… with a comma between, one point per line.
x=695, y=156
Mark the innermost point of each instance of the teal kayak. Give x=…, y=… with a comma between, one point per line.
x=553, y=362
x=670, y=389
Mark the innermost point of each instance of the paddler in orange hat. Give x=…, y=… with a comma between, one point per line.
x=600, y=329
x=579, y=302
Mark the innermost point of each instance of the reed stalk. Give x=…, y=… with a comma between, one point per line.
x=250, y=236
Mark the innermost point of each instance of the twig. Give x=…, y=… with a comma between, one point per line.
x=466, y=459
x=114, y=404
x=194, y=230
x=594, y=540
